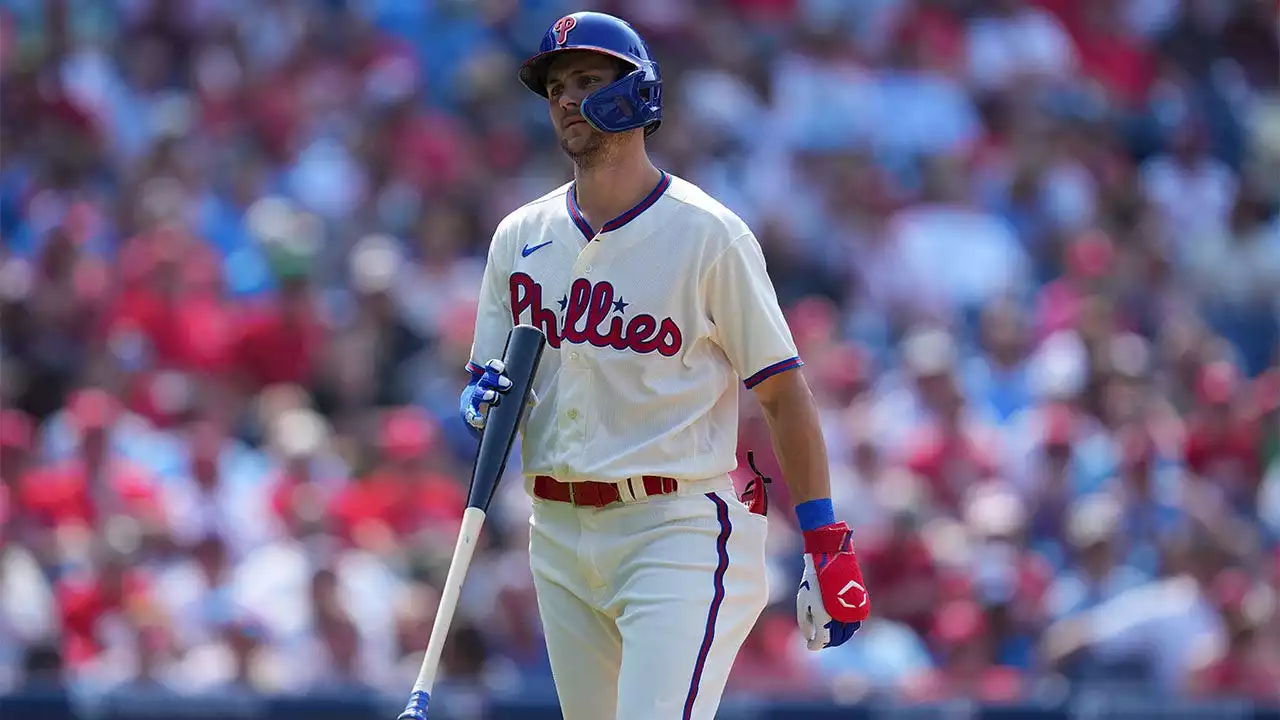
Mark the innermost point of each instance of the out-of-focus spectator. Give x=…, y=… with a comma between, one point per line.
x=1097, y=572
x=893, y=658
x=404, y=497
x=773, y=663
x=277, y=344
x=949, y=279
x=17, y=437
x=99, y=611
x=1152, y=495
x=1243, y=667
x=968, y=668
x=1151, y=635
x=95, y=487
x=1222, y=441
x=898, y=561
x=27, y=612
x=997, y=381
x=1014, y=42
x=210, y=498
x=306, y=475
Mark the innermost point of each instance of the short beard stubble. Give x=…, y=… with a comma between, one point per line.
x=597, y=151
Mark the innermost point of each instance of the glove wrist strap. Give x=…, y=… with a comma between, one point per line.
x=829, y=539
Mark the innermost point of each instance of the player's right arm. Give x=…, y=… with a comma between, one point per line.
x=493, y=323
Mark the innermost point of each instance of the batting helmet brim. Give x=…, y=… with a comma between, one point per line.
x=533, y=73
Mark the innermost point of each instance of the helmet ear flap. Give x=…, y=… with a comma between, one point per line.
x=626, y=104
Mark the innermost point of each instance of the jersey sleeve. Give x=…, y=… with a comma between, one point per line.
x=493, y=311
x=744, y=311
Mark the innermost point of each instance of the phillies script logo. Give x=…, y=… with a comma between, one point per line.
x=562, y=28
x=594, y=314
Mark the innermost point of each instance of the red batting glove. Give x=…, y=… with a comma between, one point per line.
x=837, y=573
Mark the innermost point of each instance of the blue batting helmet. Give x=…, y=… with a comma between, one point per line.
x=634, y=100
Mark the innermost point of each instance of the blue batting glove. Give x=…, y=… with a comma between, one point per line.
x=487, y=385
x=417, y=707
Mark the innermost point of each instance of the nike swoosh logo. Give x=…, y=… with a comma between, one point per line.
x=526, y=251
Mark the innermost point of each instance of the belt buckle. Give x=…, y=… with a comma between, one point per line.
x=625, y=497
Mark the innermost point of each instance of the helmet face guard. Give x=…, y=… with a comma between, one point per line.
x=630, y=102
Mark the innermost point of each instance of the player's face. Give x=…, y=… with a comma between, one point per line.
x=571, y=78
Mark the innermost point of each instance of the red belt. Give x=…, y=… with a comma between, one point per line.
x=598, y=494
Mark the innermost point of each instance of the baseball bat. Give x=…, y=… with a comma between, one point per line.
x=521, y=355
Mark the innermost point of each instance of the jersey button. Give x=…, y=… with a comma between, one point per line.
x=573, y=414
x=588, y=268
x=573, y=356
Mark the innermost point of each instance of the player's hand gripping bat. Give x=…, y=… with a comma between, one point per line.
x=524, y=349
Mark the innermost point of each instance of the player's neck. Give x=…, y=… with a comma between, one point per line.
x=606, y=191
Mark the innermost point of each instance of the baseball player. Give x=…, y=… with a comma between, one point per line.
x=649, y=569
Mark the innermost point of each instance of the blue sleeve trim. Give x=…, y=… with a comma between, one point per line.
x=790, y=363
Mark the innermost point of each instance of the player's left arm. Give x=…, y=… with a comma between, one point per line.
x=792, y=415
x=749, y=326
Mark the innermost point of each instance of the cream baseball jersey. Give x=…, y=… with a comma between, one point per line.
x=651, y=321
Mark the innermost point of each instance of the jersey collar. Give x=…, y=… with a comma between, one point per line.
x=585, y=227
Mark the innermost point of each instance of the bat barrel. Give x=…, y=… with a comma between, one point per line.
x=521, y=357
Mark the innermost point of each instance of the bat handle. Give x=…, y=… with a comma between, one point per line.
x=472, y=521
x=417, y=707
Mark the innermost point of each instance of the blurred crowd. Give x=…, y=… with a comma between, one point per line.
x=1029, y=249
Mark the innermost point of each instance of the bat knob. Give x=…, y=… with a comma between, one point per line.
x=417, y=707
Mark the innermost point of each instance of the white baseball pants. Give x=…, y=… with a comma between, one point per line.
x=645, y=605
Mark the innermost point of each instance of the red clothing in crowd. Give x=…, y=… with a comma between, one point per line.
x=994, y=684
x=17, y=433
x=1121, y=63
x=1216, y=452
x=272, y=350
x=962, y=633
x=295, y=501
x=1121, y=66
x=1240, y=676
x=188, y=334
x=6, y=512
x=937, y=34
x=766, y=10
x=904, y=576
x=61, y=494
x=433, y=151
x=951, y=462
x=84, y=604
x=403, y=505
x=1223, y=443
x=1227, y=458
x=171, y=296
